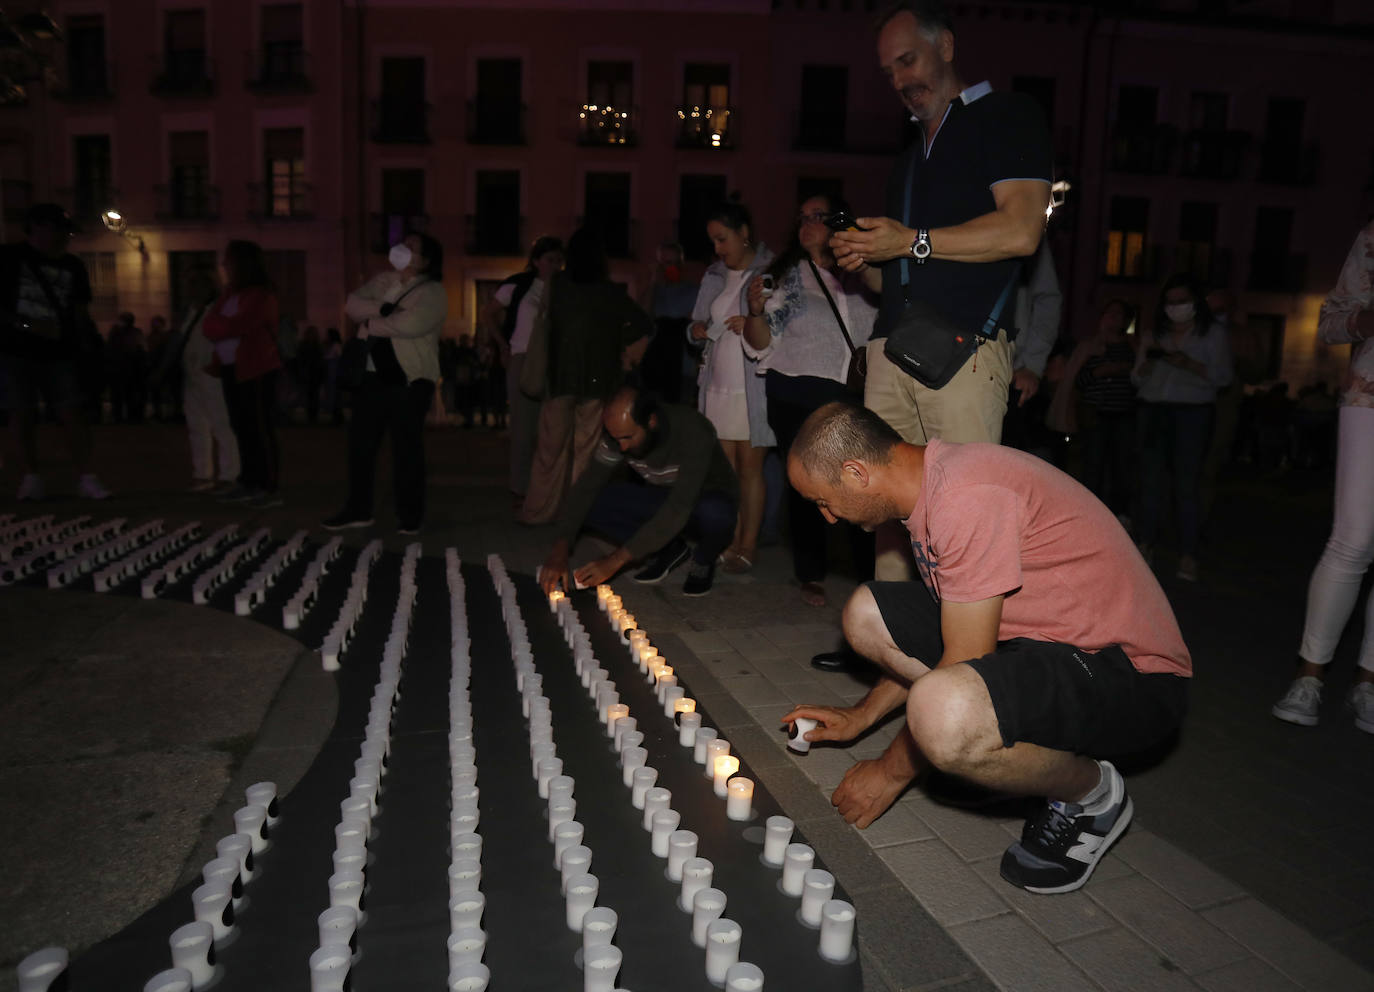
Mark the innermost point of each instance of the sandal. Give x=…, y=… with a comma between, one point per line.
x=813, y=594
x=735, y=563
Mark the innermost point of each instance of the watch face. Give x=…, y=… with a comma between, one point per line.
x=921, y=249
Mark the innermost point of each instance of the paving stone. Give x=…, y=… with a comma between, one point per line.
x=1059, y=917
x=971, y=835
x=816, y=693
x=751, y=644
x=703, y=642
x=1308, y=901
x=909, y=948
x=1017, y=958
x=950, y=890
x=844, y=852
x=1120, y=961
x=824, y=765
x=757, y=748
x=796, y=794
x=722, y=712
x=873, y=978
x=796, y=634
x=899, y=825
x=753, y=691
x=1250, y=975
x=1285, y=946
x=782, y=671
x=1185, y=878
x=1181, y=935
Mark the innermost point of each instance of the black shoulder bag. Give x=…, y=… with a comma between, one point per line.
x=858, y=360
x=931, y=348
x=353, y=359
x=23, y=340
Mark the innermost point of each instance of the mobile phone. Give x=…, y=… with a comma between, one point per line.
x=840, y=220
x=767, y=278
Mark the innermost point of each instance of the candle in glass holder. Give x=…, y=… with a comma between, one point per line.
x=837, y=931
x=777, y=834
x=555, y=598
x=339, y=925
x=683, y=704
x=655, y=799
x=797, y=861
x=739, y=798
x=627, y=624
x=264, y=794
x=548, y=767
x=638, y=639
x=663, y=679
x=615, y=712
x=581, y=898
x=725, y=766
x=652, y=667
x=818, y=888
x=664, y=822
x=687, y=725
x=603, y=593
x=722, y=948
x=348, y=888
x=560, y=788
x=467, y=847
x=613, y=602
x=704, y=736
x=213, y=903
x=696, y=875
x=464, y=875
x=716, y=747
x=646, y=654
x=707, y=907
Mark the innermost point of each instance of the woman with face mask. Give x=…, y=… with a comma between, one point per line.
x=401, y=314
x=1180, y=366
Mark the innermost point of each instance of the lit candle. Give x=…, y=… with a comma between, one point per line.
x=705, y=735
x=725, y=766
x=647, y=653
x=466, y=946
x=722, y=948
x=615, y=712
x=566, y=835
x=664, y=679
x=338, y=925
x=683, y=704
x=638, y=640
x=796, y=863
x=627, y=624
x=582, y=891
x=651, y=668
x=777, y=834
x=613, y=602
x=696, y=875
x=465, y=910
x=171, y=980
x=471, y=976
x=796, y=739
x=614, y=615
x=743, y=977
x=576, y=861
x=601, y=966
x=192, y=948
x=837, y=931
x=41, y=970
x=329, y=967
x=555, y=597
x=665, y=821
x=687, y=725
x=818, y=888
x=641, y=781
x=598, y=928
x=655, y=799
x=632, y=760
x=682, y=847
x=603, y=593
x=739, y=798
x=707, y=907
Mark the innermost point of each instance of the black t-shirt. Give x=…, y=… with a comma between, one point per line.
x=993, y=138
x=22, y=293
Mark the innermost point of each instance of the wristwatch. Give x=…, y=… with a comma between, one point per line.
x=920, y=248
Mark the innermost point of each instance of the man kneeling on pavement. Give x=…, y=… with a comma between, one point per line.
x=1040, y=644
x=678, y=486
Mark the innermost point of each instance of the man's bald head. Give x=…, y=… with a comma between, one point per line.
x=631, y=418
x=839, y=432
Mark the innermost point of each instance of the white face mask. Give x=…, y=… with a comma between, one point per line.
x=400, y=256
x=1179, y=313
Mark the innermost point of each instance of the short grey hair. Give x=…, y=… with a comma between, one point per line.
x=838, y=432
x=932, y=17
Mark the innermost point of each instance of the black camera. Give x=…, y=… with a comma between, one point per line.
x=840, y=220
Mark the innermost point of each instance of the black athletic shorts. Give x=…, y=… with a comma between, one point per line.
x=1054, y=695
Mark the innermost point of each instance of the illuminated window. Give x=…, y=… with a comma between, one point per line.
x=284, y=172
x=1125, y=257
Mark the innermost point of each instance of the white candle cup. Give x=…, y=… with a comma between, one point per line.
x=560, y=788
x=252, y=820
x=466, y=946
x=629, y=739
x=665, y=681
x=600, y=967
x=356, y=808
x=705, y=735
x=472, y=976
x=464, y=875
x=264, y=794
x=171, y=980
x=665, y=821
x=240, y=848
x=598, y=928
x=722, y=948
x=566, y=835
x=716, y=747
x=739, y=798
x=41, y=969
x=796, y=739
x=603, y=593
x=464, y=821
x=614, y=713
x=646, y=654
x=797, y=861
x=214, y=904
x=581, y=897
x=465, y=910
x=696, y=875
x=837, y=931
x=641, y=781
x=461, y=794
x=575, y=861
x=687, y=726
x=622, y=725
x=652, y=667
x=655, y=799
x=818, y=888
x=777, y=834
x=671, y=695
x=682, y=847
x=686, y=704
x=349, y=888
x=193, y=948
x=466, y=847
x=548, y=769
x=541, y=752
x=224, y=870
x=350, y=861
x=743, y=977
x=329, y=967
x=564, y=812
x=339, y=925
x=725, y=766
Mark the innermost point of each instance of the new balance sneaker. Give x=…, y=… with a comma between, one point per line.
x=347, y=520
x=1062, y=844
x=1362, y=702
x=30, y=487
x=673, y=554
x=699, y=579
x=1299, y=704
x=89, y=487
x=264, y=501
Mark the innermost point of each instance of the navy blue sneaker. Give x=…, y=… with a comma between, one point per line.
x=673, y=554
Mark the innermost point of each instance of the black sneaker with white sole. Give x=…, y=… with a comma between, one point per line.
x=346, y=521
x=673, y=554
x=699, y=579
x=1062, y=844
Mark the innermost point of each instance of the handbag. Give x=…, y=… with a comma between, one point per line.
x=930, y=347
x=357, y=350
x=534, y=374
x=858, y=360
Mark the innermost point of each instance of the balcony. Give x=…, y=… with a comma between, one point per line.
x=278, y=69
x=385, y=230
x=1209, y=264
x=1274, y=273
x=284, y=202
x=607, y=127
x=493, y=123
x=1287, y=163
x=706, y=127
x=1145, y=150
x=87, y=202
x=90, y=82
x=489, y=234
x=186, y=202
x=619, y=235
x=1214, y=154
x=183, y=74
x=400, y=121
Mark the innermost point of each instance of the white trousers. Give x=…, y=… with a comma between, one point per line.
x=207, y=425
x=1336, y=580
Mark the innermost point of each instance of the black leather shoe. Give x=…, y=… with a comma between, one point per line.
x=831, y=661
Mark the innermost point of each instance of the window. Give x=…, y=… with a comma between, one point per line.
x=184, y=62
x=1136, y=106
x=1284, y=158
x=1267, y=329
x=698, y=196
x=283, y=44
x=87, y=70
x=1197, y=235
x=824, y=99
x=403, y=206
x=1041, y=90
x=1271, y=266
x=284, y=172
x=91, y=191
x=1208, y=111
x=827, y=186
x=496, y=222
x=607, y=116
x=286, y=269
x=1139, y=143
x=100, y=266
x=1210, y=150
x=189, y=191
x=402, y=111
x=606, y=199
x=180, y=264
x=1126, y=238
x=704, y=117
x=497, y=115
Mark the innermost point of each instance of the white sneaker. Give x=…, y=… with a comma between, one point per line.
x=30, y=487
x=1362, y=702
x=89, y=487
x=1299, y=704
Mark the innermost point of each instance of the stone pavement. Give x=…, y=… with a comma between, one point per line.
x=1242, y=870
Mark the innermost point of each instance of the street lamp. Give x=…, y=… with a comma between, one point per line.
x=116, y=223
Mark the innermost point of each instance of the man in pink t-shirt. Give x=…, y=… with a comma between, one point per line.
x=1037, y=644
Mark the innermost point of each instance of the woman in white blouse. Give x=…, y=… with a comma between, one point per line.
x=805, y=335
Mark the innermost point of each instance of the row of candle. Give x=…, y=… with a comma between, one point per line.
x=338, y=925
x=336, y=641
x=230, y=562
x=305, y=597
x=122, y=569
x=11, y=526
x=156, y=581
x=254, y=591
x=58, y=545
x=119, y=542
x=29, y=536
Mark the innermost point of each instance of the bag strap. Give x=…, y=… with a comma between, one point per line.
x=990, y=325
x=410, y=289
x=833, y=309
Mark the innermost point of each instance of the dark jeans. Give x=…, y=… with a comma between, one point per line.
x=624, y=507
x=1109, y=457
x=791, y=399
x=253, y=418
x=381, y=407
x=1173, y=438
